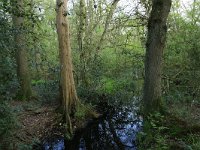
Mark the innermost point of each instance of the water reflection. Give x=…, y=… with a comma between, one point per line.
x=54, y=144
x=116, y=130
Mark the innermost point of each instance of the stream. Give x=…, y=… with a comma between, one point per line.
x=117, y=129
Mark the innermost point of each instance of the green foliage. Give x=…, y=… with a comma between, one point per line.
x=31, y=146
x=116, y=73
x=152, y=135
x=8, y=124
x=182, y=56
x=83, y=111
x=194, y=139
x=46, y=90
x=25, y=147
x=108, y=85
x=8, y=82
x=38, y=82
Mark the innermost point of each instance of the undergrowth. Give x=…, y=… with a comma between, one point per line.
x=85, y=111
x=8, y=124
x=165, y=132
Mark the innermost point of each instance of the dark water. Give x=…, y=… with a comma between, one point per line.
x=116, y=130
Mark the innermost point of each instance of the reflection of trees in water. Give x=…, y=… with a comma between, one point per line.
x=116, y=130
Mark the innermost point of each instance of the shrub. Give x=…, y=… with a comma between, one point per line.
x=7, y=124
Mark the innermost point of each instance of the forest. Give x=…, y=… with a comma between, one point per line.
x=99, y=75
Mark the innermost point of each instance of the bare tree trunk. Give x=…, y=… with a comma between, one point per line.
x=37, y=55
x=21, y=53
x=108, y=19
x=68, y=90
x=38, y=62
x=82, y=28
x=157, y=30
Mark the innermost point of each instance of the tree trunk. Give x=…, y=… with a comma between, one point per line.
x=21, y=53
x=108, y=19
x=68, y=90
x=157, y=30
x=81, y=32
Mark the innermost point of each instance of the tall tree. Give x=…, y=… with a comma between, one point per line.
x=68, y=90
x=21, y=52
x=81, y=31
x=157, y=30
x=108, y=19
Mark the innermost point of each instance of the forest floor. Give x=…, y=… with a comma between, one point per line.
x=39, y=120
x=35, y=120
x=190, y=113
x=184, y=124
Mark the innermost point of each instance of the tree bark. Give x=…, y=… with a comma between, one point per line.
x=68, y=90
x=81, y=33
x=108, y=19
x=21, y=53
x=157, y=31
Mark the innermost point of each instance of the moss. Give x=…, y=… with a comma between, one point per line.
x=81, y=112
x=85, y=111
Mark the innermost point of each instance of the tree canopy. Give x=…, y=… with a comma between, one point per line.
x=67, y=63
